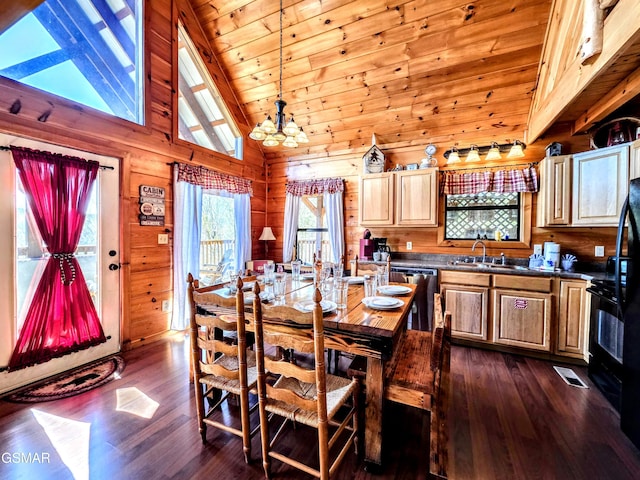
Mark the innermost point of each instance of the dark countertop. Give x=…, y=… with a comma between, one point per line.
x=515, y=266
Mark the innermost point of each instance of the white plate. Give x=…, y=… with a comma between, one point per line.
x=353, y=280
x=382, y=303
x=307, y=306
x=248, y=285
x=307, y=276
x=265, y=296
x=393, y=289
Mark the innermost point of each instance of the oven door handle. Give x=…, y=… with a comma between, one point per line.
x=623, y=217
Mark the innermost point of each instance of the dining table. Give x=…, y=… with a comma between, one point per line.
x=361, y=329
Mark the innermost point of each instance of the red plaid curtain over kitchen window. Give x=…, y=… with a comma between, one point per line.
x=501, y=181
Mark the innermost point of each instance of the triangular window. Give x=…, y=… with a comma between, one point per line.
x=88, y=51
x=203, y=117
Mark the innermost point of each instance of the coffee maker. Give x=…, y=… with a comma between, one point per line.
x=380, y=245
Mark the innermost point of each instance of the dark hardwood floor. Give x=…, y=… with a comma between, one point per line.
x=511, y=418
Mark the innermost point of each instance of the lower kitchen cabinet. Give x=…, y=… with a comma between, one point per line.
x=468, y=306
x=466, y=296
x=573, y=321
x=522, y=319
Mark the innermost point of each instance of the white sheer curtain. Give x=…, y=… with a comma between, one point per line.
x=335, y=223
x=242, y=211
x=291, y=209
x=187, y=222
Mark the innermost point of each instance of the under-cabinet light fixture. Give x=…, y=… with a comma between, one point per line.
x=492, y=152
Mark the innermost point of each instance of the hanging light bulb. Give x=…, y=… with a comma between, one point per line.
x=453, y=156
x=494, y=152
x=291, y=129
x=516, y=150
x=302, y=137
x=270, y=141
x=257, y=133
x=290, y=142
x=473, y=155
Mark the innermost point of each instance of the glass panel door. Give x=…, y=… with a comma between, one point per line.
x=19, y=273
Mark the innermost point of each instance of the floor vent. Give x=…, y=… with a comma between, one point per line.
x=570, y=377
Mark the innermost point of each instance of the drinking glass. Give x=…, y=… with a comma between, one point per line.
x=370, y=284
x=295, y=270
x=338, y=270
x=326, y=287
x=340, y=291
x=279, y=286
x=233, y=280
x=269, y=269
x=382, y=276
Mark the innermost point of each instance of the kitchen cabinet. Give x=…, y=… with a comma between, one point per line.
x=376, y=199
x=600, y=186
x=467, y=298
x=403, y=198
x=554, y=196
x=573, y=319
x=522, y=311
x=522, y=319
x=634, y=159
x=417, y=197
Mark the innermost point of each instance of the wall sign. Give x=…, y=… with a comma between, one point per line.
x=151, y=206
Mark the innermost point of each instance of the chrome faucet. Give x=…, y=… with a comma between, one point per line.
x=484, y=249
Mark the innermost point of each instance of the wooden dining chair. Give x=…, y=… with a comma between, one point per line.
x=358, y=268
x=407, y=381
x=301, y=395
x=221, y=368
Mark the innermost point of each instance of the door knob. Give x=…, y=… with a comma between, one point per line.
x=114, y=266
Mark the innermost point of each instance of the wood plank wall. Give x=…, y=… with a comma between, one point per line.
x=147, y=154
x=348, y=165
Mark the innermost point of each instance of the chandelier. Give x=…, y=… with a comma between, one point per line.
x=282, y=131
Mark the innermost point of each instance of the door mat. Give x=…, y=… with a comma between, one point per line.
x=570, y=377
x=70, y=383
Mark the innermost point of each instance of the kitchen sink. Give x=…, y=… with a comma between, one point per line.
x=496, y=266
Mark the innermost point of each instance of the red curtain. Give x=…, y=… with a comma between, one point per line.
x=61, y=318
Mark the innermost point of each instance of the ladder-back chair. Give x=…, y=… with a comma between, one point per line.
x=301, y=395
x=221, y=368
x=407, y=381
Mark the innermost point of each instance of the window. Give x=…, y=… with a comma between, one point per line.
x=217, y=239
x=203, y=117
x=313, y=235
x=88, y=51
x=481, y=215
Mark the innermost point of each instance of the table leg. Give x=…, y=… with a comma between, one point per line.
x=373, y=412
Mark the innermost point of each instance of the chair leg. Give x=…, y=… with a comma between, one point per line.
x=246, y=424
x=200, y=409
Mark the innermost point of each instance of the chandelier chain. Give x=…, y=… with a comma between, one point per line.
x=280, y=96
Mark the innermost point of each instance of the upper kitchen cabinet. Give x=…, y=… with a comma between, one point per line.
x=376, y=199
x=408, y=197
x=634, y=160
x=600, y=186
x=581, y=89
x=554, y=196
x=417, y=197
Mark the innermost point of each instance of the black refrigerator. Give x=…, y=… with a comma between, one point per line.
x=629, y=304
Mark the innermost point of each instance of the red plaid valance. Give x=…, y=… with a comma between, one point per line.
x=502, y=181
x=315, y=187
x=211, y=180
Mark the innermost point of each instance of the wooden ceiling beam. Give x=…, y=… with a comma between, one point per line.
x=614, y=99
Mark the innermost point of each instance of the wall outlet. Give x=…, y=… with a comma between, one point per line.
x=163, y=239
x=409, y=245
x=166, y=306
x=537, y=249
x=599, y=251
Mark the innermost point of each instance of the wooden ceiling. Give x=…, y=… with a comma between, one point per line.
x=410, y=72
